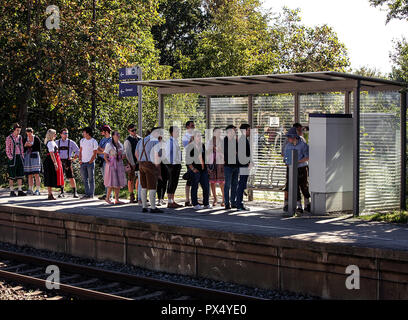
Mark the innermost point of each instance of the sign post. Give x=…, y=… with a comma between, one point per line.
x=132, y=90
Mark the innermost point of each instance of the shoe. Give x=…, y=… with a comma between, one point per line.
x=61, y=195
x=299, y=210
x=227, y=207
x=13, y=194
x=173, y=205
x=208, y=206
x=198, y=207
x=233, y=206
x=102, y=197
x=132, y=198
x=29, y=192
x=51, y=197
x=37, y=193
x=157, y=210
x=144, y=210
x=75, y=195
x=286, y=208
x=21, y=193
x=177, y=205
x=188, y=204
x=307, y=208
x=85, y=197
x=243, y=208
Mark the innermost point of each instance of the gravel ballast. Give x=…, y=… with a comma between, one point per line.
x=118, y=267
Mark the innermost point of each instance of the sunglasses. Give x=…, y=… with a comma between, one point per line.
x=65, y=133
x=133, y=130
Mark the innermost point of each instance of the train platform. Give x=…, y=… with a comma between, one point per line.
x=260, y=247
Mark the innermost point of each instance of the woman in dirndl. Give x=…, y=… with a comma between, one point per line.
x=32, y=161
x=115, y=177
x=53, y=174
x=215, y=164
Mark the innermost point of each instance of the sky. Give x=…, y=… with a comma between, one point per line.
x=359, y=26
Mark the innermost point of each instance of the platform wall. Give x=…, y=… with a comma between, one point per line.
x=286, y=264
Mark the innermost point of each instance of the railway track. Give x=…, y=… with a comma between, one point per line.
x=86, y=282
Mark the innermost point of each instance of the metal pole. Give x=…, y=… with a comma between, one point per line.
x=347, y=102
x=293, y=182
x=297, y=103
x=161, y=110
x=208, y=111
x=250, y=111
x=356, y=149
x=140, y=107
x=403, y=202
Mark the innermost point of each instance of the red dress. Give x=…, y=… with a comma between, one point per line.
x=53, y=178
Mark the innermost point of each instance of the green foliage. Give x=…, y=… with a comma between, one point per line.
x=393, y=217
x=400, y=61
x=397, y=9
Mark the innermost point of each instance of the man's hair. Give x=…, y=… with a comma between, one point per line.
x=64, y=129
x=16, y=125
x=131, y=126
x=244, y=126
x=172, y=128
x=88, y=130
x=297, y=125
x=230, y=127
x=188, y=123
x=29, y=129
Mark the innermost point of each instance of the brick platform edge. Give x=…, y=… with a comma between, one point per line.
x=267, y=262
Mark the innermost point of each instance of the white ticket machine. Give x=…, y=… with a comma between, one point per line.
x=331, y=163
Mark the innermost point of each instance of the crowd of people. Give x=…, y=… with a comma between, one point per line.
x=151, y=165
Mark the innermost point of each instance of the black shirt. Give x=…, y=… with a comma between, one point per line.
x=231, y=160
x=36, y=147
x=192, y=148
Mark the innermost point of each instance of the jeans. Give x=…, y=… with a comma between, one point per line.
x=242, y=184
x=201, y=178
x=88, y=177
x=231, y=182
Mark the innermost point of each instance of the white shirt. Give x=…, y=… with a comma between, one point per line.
x=186, y=139
x=110, y=149
x=51, y=146
x=176, y=151
x=88, y=148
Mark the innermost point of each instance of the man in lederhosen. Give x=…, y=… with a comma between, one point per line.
x=147, y=154
x=68, y=151
x=15, y=155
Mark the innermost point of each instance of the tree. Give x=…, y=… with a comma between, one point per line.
x=397, y=9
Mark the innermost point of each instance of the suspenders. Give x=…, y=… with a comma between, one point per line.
x=144, y=150
x=20, y=143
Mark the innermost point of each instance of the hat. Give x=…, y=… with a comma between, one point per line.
x=292, y=133
x=105, y=127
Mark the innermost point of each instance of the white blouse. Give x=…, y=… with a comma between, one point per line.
x=110, y=149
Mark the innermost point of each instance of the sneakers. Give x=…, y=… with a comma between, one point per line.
x=21, y=193
x=243, y=208
x=29, y=192
x=198, y=207
x=157, y=210
x=37, y=193
x=208, y=206
x=13, y=194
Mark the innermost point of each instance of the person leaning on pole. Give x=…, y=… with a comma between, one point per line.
x=149, y=167
x=295, y=142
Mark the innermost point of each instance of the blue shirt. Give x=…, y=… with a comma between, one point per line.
x=103, y=143
x=302, y=149
x=149, y=142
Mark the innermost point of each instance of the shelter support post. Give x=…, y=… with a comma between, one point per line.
x=161, y=110
x=208, y=111
x=251, y=123
x=347, y=108
x=297, y=108
x=140, y=107
x=403, y=202
x=356, y=149
x=293, y=183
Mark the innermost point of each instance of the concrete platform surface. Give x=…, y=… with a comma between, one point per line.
x=260, y=221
